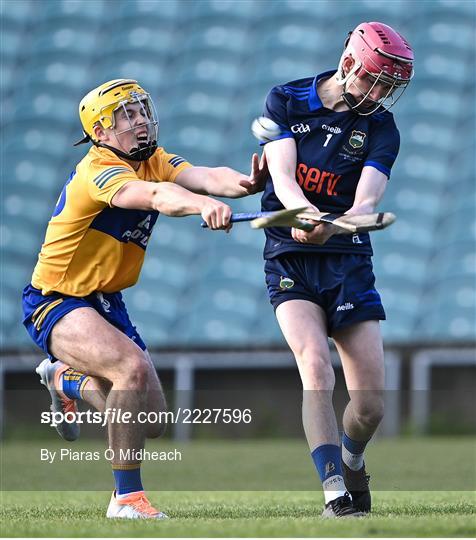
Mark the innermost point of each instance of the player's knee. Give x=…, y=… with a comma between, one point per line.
x=316, y=370
x=156, y=430
x=132, y=371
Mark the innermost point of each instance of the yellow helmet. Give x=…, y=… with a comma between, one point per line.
x=99, y=105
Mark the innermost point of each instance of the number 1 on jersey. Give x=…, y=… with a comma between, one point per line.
x=328, y=138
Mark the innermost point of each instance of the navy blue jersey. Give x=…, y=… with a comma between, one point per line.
x=332, y=149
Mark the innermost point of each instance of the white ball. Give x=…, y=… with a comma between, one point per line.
x=264, y=129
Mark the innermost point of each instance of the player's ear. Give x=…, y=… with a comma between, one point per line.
x=348, y=63
x=99, y=132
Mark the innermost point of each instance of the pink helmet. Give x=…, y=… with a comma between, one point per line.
x=381, y=53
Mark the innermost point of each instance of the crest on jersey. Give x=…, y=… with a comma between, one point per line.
x=357, y=139
x=286, y=283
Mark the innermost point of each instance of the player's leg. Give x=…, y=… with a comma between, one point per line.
x=66, y=386
x=92, y=346
x=155, y=400
x=96, y=390
x=361, y=350
x=303, y=324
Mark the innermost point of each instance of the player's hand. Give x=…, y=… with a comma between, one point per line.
x=321, y=233
x=216, y=214
x=259, y=173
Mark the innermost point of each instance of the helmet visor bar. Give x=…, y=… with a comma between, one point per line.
x=390, y=91
x=146, y=110
x=137, y=116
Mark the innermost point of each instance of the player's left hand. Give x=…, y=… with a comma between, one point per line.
x=321, y=233
x=259, y=173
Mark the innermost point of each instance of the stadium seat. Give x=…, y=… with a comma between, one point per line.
x=8, y=75
x=67, y=35
x=142, y=36
x=215, y=34
x=209, y=66
x=47, y=105
x=147, y=70
x=168, y=11
x=449, y=312
x=61, y=70
x=37, y=172
x=42, y=136
x=95, y=13
x=17, y=14
x=244, y=12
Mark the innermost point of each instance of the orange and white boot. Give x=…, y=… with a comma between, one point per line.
x=50, y=373
x=133, y=506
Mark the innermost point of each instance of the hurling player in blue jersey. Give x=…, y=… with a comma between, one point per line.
x=337, y=145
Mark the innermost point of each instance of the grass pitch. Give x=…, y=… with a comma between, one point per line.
x=238, y=514
x=400, y=509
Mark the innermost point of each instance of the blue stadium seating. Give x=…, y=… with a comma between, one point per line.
x=209, y=66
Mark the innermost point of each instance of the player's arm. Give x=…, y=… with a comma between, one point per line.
x=282, y=160
x=281, y=156
x=172, y=200
x=370, y=190
x=223, y=181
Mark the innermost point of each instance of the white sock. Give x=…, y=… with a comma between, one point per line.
x=353, y=461
x=333, y=487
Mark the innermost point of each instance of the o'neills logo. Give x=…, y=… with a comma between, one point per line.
x=345, y=307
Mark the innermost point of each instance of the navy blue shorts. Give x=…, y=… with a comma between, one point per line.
x=341, y=284
x=41, y=313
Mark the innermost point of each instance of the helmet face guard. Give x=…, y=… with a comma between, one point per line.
x=382, y=57
x=103, y=105
x=145, y=143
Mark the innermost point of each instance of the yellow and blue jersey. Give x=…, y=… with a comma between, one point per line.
x=90, y=245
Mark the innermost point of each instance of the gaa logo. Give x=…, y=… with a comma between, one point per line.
x=301, y=128
x=330, y=467
x=286, y=283
x=357, y=139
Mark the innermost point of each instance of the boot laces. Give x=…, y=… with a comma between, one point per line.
x=142, y=505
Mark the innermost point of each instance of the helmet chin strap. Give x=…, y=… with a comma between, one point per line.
x=349, y=100
x=142, y=153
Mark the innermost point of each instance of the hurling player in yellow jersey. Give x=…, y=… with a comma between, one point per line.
x=94, y=247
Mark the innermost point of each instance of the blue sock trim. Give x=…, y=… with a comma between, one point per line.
x=354, y=447
x=127, y=480
x=73, y=381
x=327, y=460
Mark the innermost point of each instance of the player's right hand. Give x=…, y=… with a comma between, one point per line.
x=321, y=233
x=216, y=214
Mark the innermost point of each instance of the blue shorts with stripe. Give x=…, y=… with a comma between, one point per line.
x=41, y=313
x=341, y=284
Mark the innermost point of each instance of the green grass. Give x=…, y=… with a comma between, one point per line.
x=422, y=488
x=242, y=514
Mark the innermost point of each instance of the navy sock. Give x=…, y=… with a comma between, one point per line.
x=73, y=383
x=327, y=461
x=354, y=447
x=127, y=480
x=353, y=452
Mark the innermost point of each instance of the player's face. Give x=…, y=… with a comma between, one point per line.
x=368, y=91
x=131, y=126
